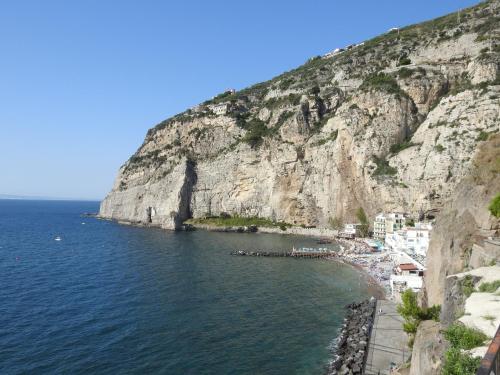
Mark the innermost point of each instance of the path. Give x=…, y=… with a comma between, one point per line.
x=388, y=341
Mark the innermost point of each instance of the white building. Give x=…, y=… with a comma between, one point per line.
x=413, y=240
x=333, y=53
x=352, y=229
x=379, y=227
x=219, y=109
x=418, y=238
x=388, y=223
x=408, y=269
x=399, y=283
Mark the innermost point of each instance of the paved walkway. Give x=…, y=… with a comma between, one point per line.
x=388, y=341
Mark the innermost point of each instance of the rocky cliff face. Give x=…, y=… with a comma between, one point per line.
x=460, y=238
x=465, y=238
x=391, y=124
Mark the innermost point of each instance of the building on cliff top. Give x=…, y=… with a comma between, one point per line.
x=219, y=109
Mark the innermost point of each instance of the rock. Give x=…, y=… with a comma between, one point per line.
x=482, y=70
x=349, y=353
x=428, y=349
x=465, y=220
x=164, y=203
x=328, y=151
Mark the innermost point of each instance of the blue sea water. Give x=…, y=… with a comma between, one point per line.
x=114, y=299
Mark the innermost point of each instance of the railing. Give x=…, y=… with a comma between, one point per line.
x=490, y=364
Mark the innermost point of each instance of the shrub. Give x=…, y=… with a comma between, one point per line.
x=467, y=285
x=494, y=206
x=405, y=73
x=383, y=167
x=482, y=136
x=411, y=327
x=463, y=337
x=336, y=223
x=431, y=313
x=439, y=148
x=381, y=81
x=395, y=148
x=414, y=314
x=315, y=90
x=458, y=363
x=489, y=287
x=286, y=83
x=282, y=118
x=404, y=61
x=238, y=221
x=241, y=119
x=332, y=137
x=256, y=131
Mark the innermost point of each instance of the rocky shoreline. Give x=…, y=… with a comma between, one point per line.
x=351, y=346
x=294, y=230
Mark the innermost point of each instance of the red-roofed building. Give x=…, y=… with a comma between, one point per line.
x=409, y=269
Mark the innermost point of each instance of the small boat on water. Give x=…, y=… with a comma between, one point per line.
x=57, y=238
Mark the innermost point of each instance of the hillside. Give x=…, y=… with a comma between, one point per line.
x=393, y=123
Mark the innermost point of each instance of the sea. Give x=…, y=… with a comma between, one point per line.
x=115, y=299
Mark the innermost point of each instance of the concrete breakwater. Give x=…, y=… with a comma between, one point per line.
x=351, y=346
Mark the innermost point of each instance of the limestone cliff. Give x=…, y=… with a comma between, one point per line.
x=460, y=238
x=465, y=238
x=390, y=124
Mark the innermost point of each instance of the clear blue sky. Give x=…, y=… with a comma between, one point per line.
x=82, y=81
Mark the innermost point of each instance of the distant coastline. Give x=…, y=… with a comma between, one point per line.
x=43, y=198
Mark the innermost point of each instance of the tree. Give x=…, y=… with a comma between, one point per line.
x=409, y=306
x=336, y=223
x=363, y=220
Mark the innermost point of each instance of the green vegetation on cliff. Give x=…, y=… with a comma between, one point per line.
x=238, y=221
x=458, y=363
x=462, y=338
x=413, y=314
x=494, y=206
x=489, y=287
x=381, y=81
x=363, y=220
